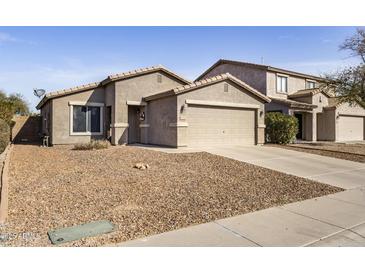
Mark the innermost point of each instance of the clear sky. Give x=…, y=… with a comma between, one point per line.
x=54, y=58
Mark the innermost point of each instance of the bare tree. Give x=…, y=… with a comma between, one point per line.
x=356, y=44
x=349, y=84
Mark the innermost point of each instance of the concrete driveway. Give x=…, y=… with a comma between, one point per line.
x=332, y=171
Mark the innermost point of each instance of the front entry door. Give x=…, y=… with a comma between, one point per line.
x=299, y=116
x=134, y=132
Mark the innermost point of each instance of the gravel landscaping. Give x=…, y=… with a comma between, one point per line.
x=352, y=152
x=57, y=187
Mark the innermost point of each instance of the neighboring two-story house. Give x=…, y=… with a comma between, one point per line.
x=320, y=116
x=156, y=106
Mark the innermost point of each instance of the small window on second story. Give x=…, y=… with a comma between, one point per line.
x=281, y=84
x=159, y=78
x=311, y=84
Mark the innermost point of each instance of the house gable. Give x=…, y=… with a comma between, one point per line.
x=252, y=75
x=261, y=77
x=146, y=84
x=228, y=78
x=350, y=109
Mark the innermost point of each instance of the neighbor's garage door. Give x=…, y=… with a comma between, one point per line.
x=351, y=128
x=220, y=125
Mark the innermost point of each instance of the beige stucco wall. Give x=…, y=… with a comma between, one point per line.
x=46, y=116
x=216, y=93
x=61, y=116
x=320, y=100
x=326, y=125
x=134, y=89
x=162, y=121
x=110, y=97
x=347, y=109
x=273, y=106
x=294, y=84
x=254, y=77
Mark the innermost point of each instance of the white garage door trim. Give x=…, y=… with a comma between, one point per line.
x=220, y=104
x=351, y=128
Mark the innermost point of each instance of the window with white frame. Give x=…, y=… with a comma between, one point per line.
x=86, y=119
x=282, y=84
x=311, y=84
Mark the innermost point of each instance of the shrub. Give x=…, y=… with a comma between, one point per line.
x=4, y=135
x=93, y=144
x=280, y=128
x=12, y=104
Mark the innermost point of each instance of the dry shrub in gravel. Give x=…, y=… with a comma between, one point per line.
x=93, y=144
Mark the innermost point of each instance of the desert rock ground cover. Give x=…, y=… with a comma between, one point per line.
x=353, y=152
x=57, y=187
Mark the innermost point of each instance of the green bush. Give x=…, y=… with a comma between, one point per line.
x=94, y=144
x=4, y=135
x=280, y=128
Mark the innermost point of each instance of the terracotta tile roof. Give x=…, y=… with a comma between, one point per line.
x=292, y=103
x=264, y=67
x=63, y=92
x=206, y=82
x=110, y=78
x=309, y=92
x=141, y=71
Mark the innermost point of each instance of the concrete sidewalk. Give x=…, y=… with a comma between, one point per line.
x=333, y=220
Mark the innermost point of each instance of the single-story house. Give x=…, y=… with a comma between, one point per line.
x=320, y=116
x=156, y=106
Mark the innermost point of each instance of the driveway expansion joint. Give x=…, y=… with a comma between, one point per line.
x=348, y=202
x=336, y=233
x=236, y=233
x=303, y=215
x=334, y=172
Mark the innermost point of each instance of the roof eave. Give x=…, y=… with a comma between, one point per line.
x=249, y=88
x=302, y=106
x=61, y=93
x=41, y=103
x=110, y=78
x=294, y=73
x=294, y=104
x=159, y=95
x=207, y=82
x=265, y=67
x=225, y=61
x=208, y=70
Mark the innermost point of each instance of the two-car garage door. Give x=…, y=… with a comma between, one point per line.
x=351, y=128
x=208, y=125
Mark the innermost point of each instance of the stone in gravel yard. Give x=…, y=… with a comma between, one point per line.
x=141, y=166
